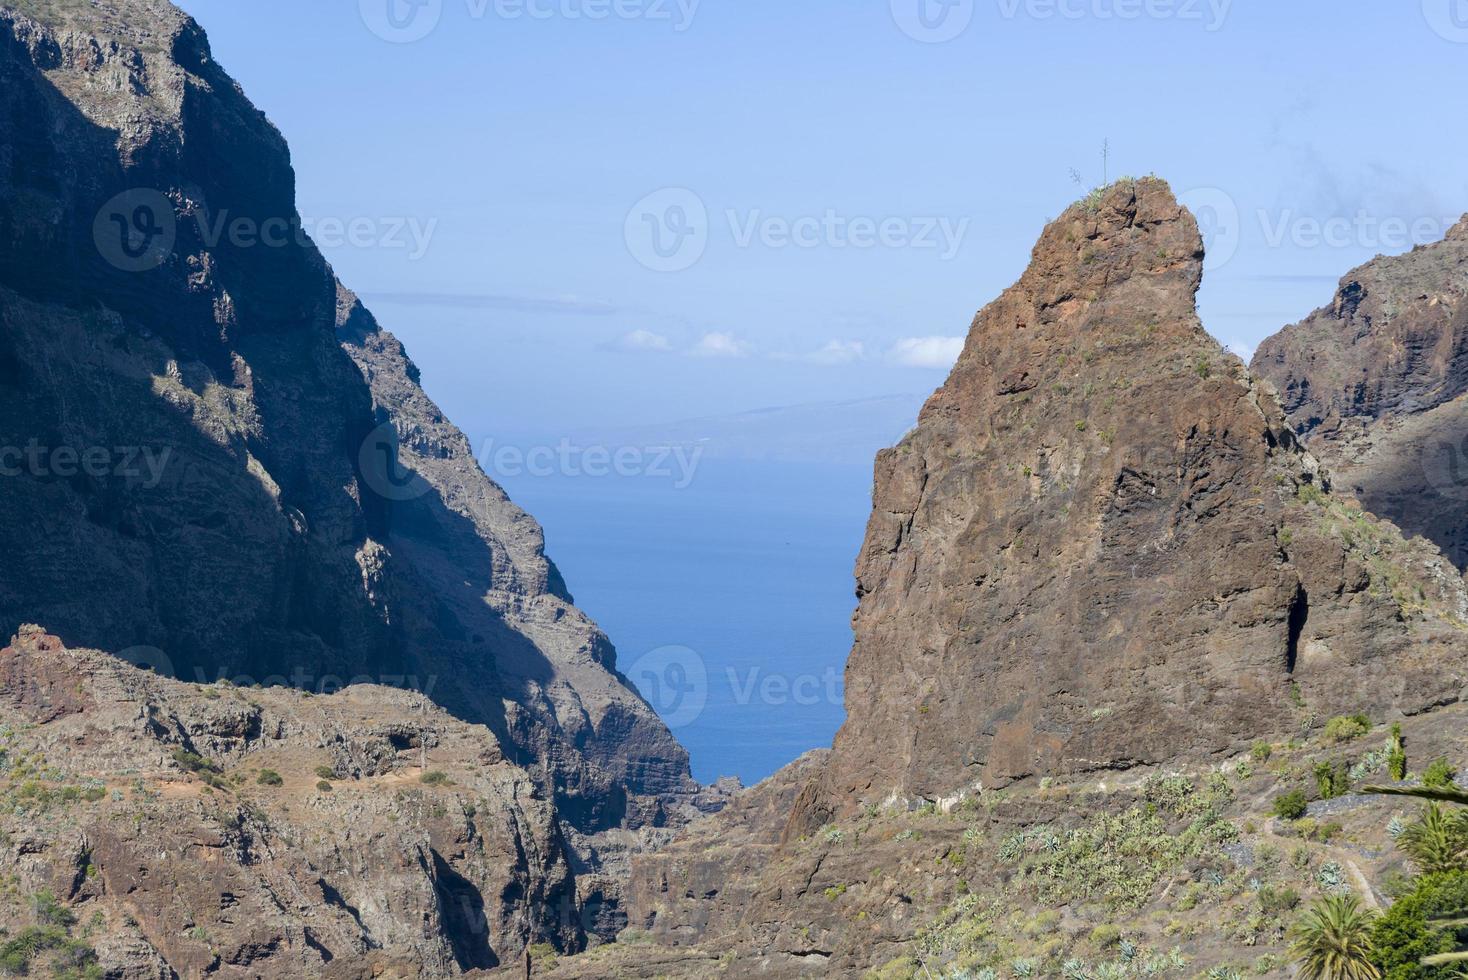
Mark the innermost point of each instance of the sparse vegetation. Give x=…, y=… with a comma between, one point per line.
x=1291, y=806
x=1347, y=728
x=435, y=777
x=269, y=777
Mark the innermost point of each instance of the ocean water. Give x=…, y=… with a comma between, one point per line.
x=729, y=599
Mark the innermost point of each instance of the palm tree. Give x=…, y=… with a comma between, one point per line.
x=1431, y=847
x=1438, y=842
x=1333, y=941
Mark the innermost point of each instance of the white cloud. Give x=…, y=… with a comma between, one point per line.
x=836, y=352
x=927, y=352
x=719, y=345
x=642, y=340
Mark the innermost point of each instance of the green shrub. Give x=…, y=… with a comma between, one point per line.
x=1261, y=752
x=190, y=762
x=435, y=778
x=1104, y=936
x=323, y=786
x=1332, y=779
x=1347, y=728
x=269, y=777
x=1439, y=774
x=1402, y=935
x=1291, y=806
x=1276, y=900
x=1396, y=756
x=325, y=772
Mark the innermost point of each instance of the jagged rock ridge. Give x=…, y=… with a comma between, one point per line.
x=306, y=512
x=1376, y=383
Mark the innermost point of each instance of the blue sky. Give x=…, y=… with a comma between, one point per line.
x=523, y=143
x=588, y=229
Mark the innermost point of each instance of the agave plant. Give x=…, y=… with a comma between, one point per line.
x=1333, y=941
x=1023, y=969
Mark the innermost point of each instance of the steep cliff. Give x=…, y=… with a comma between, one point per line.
x=1102, y=546
x=1376, y=383
x=217, y=461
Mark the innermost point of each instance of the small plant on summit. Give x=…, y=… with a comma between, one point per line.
x=1291, y=806
x=269, y=777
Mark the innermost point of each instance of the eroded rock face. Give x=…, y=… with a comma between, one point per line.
x=1102, y=546
x=269, y=494
x=1376, y=384
x=139, y=802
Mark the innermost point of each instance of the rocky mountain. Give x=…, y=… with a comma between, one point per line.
x=235, y=832
x=1103, y=547
x=217, y=461
x=1376, y=384
x=1102, y=586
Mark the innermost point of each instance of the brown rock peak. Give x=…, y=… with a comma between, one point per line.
x=1459, y=231
x=1102, y=546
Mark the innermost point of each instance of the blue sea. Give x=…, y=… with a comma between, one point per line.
x=729, y=599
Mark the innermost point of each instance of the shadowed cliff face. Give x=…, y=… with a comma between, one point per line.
x=219, y=459
x=1102, y=547
x=1377, y=385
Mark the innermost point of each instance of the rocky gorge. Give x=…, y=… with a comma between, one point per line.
x=1119, y=594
